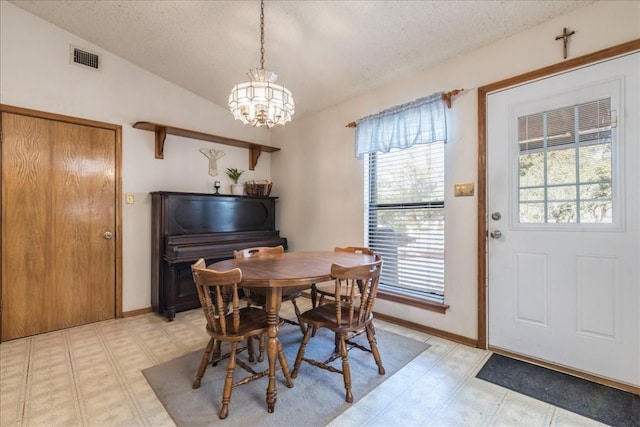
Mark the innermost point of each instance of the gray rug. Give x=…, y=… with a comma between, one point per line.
x=605, y=404
x=316, y=398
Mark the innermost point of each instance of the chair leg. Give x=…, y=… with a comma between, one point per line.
x=315, y=328
x=371, y=336
x=261, y=348
x=228, y=382
x=250, y=348
x=297, y=310
x=314, y=295
x=346, y=370
x=284, y=365
x=303, y=346
x=216, y=354
x=203, y=364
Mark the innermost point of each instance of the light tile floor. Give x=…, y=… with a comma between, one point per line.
x=91, y=376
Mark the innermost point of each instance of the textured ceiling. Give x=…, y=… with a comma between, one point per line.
x=325, y=52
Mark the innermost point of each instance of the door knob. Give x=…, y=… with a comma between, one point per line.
x=108, y=235
x=496, y=216
x=496, y=234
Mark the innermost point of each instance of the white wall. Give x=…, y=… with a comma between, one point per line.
x=320, y=182
x=35, y=73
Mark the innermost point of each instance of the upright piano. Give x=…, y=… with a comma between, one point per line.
x=189, y=226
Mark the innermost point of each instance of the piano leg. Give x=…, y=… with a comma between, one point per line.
x=171, y=291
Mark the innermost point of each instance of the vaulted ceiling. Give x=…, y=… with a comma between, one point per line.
x=325, y=52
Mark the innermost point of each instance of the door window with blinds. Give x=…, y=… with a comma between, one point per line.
x=566, y=165
x=405, y=219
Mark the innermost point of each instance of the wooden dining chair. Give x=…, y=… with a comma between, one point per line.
x=327, y=290
x=228, y=322
x=348, y=315
x=258, y=296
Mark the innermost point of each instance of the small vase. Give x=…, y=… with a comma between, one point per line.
x=237, y=189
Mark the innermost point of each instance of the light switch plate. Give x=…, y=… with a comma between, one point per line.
x=463, y=190
x=129, y=199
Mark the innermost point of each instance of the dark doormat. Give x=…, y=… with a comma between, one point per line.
x=601, y=403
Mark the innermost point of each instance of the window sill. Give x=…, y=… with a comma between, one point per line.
x=414, y=302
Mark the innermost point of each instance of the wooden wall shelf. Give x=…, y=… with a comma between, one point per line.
x=162, y=131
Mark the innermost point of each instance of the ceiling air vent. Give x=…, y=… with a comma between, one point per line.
x=85, y=58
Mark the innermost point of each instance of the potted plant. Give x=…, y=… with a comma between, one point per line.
x=234, y=174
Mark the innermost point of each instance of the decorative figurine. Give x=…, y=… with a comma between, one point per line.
x=213, y=155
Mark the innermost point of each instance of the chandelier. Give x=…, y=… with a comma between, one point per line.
x=261, y=102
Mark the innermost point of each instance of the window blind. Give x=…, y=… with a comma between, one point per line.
x=565, y=164
x=405, y=218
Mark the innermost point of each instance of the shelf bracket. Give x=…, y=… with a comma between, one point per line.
x=161, y=135
x=254, y=154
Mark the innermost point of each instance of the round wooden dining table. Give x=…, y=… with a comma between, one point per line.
x=275, y=272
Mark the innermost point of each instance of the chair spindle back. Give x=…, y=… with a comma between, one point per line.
x=355, y=292
x=354, y=249
x=218, y=294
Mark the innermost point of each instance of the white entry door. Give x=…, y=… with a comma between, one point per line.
x=564, y=246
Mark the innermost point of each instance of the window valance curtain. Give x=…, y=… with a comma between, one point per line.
x=418, y=122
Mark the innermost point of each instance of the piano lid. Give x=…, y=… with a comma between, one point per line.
x=193, y=213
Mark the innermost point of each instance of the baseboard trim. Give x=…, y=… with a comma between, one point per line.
x=137, y=312
x=428, y=330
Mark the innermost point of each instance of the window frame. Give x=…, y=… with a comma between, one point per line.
x=396, y=293
x=606, y=89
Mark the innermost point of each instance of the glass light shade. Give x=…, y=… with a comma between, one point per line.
x=261, y=102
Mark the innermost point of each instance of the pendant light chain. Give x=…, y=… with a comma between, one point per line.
x=260, y=101
x=262, y=34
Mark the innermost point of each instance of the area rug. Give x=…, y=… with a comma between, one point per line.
x=601, y=403
x=316, y=398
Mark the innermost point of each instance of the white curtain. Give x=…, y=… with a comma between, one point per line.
x=418, y=122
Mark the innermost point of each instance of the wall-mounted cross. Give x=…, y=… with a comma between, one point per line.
x=565, y=38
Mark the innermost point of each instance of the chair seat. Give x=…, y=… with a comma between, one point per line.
x=325, y=317
x=253, y=321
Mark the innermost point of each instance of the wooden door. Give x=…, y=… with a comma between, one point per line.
x=60, y=222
